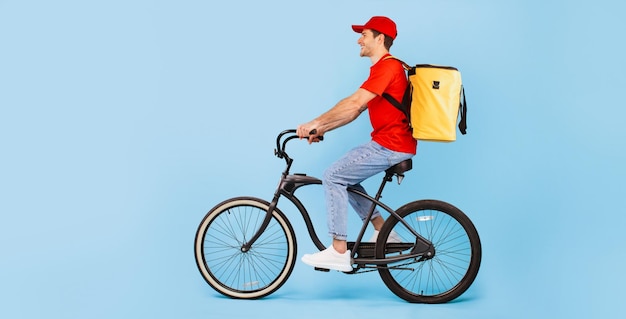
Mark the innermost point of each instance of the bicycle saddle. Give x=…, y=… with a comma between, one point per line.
x=401, y=167
x=399, y=170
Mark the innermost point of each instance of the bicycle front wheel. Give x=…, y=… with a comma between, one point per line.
x=454, y=266
x=252, y=274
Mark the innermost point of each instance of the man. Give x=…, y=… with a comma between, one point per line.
x=391, y=142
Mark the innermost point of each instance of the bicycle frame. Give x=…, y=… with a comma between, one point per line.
x=290, y=183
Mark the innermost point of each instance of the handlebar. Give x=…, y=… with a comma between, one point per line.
x=280, y=147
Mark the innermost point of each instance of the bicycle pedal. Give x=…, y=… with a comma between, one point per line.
x=322, y=269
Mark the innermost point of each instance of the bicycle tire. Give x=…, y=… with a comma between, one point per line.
x=244, y=275
x=454, y=266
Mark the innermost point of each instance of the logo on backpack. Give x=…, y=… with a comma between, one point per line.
x=436, y=85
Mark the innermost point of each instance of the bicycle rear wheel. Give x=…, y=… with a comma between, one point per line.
x=257, y=272
x=454, y=266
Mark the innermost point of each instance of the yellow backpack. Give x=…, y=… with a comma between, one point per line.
x=433, y=102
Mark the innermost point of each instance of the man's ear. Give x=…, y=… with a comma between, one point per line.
x=380, y=38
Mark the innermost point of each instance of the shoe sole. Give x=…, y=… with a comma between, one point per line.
x=327, y=266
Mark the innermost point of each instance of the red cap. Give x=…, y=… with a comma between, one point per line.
x=381, y=24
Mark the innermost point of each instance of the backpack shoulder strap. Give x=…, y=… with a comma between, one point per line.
x=397, y=104
x=391, y=99
x=404, y=65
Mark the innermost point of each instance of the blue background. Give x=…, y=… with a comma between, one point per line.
x=123, y=122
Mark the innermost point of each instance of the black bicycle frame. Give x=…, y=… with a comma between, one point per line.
x=290, y=183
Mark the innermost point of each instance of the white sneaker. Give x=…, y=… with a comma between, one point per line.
x=329, y=258
x=393, y=237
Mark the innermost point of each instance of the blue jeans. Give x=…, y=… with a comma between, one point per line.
x=354, y=167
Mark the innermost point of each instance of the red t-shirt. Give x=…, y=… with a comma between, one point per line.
x=391, y=127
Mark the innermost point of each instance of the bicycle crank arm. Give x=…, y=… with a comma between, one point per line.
x=384, y=261
x=387, y=267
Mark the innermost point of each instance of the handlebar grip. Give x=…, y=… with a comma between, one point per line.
x=313, y=132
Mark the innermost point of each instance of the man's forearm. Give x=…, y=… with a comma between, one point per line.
x=346, y=111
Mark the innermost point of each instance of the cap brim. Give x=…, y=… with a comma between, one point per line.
x=358, y=28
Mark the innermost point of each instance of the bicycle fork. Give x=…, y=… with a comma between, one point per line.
x=268, y=217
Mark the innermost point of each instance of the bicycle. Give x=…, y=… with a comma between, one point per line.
x=245, y=247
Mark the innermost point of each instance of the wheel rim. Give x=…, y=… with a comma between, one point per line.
x=446, y=270
x=256, y=272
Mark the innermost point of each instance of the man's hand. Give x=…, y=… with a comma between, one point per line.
x=310, y=132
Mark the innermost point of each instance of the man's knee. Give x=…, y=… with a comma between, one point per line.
x=329, y=176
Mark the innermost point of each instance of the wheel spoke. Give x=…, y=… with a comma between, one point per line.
x=452, y=269
x=251, y=274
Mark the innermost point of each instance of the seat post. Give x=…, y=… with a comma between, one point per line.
x=386, y=179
